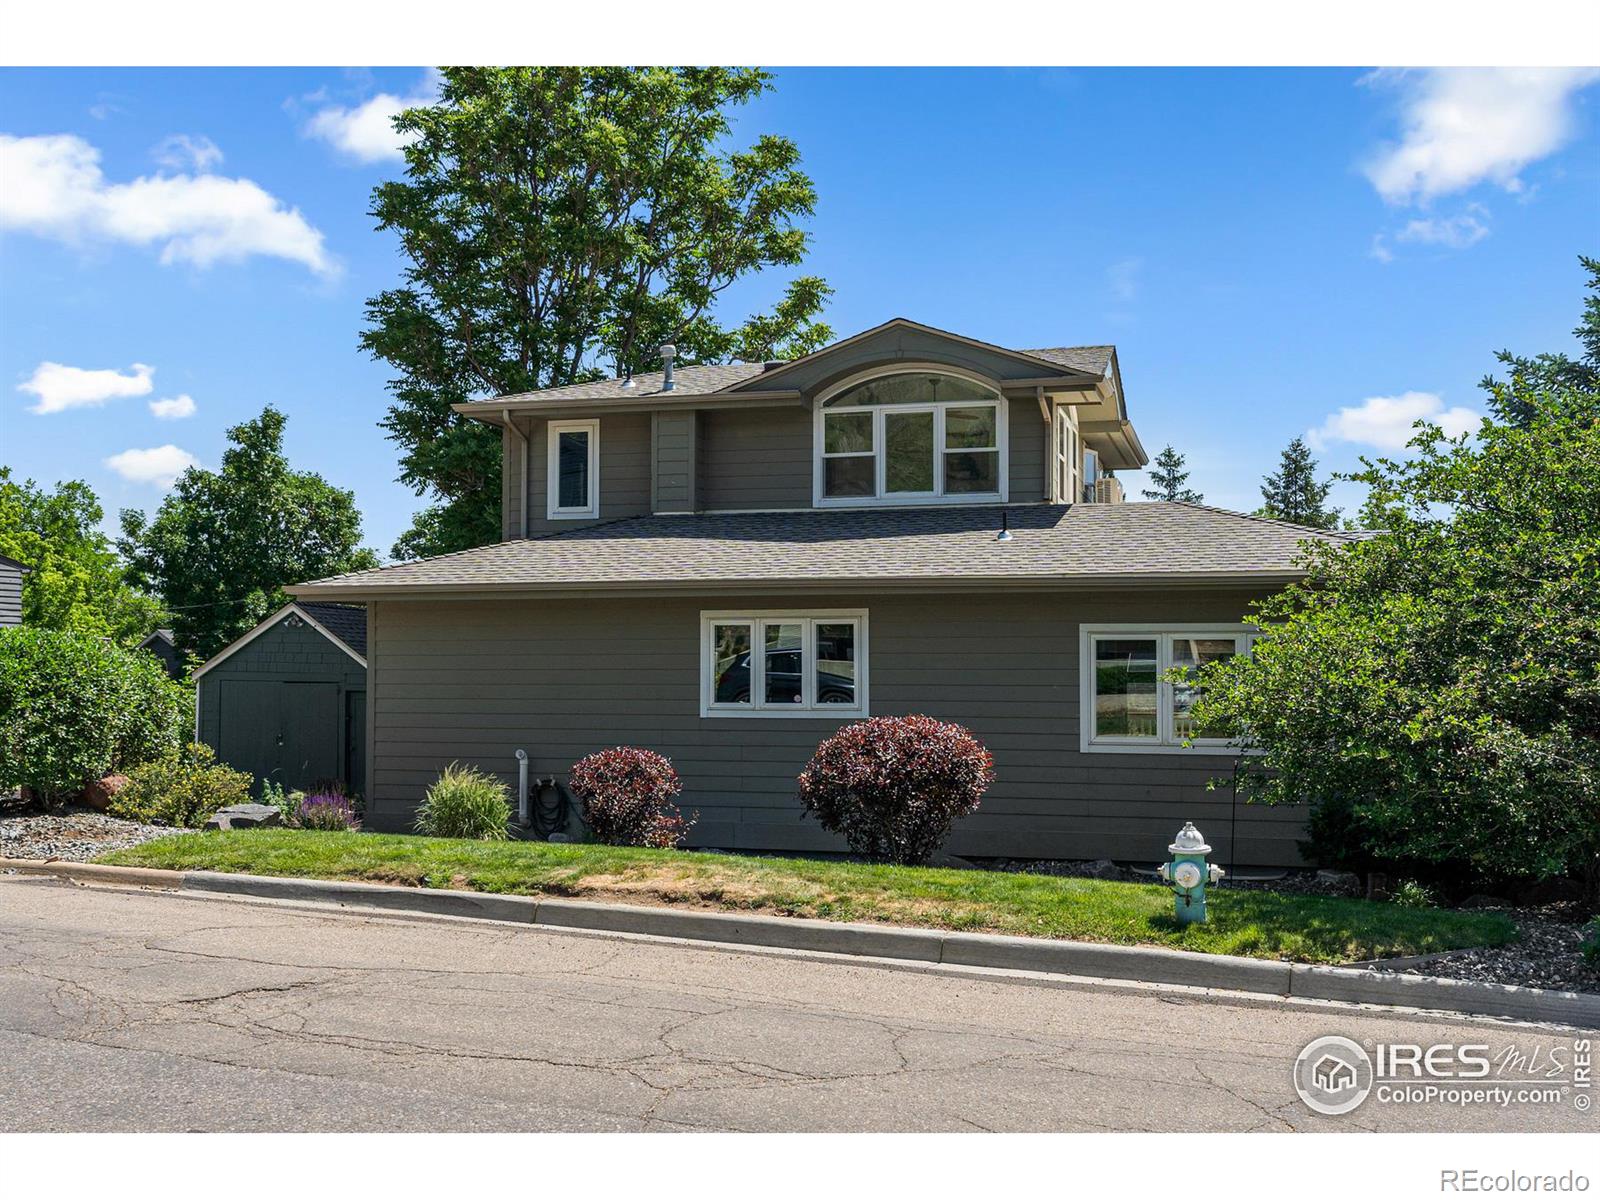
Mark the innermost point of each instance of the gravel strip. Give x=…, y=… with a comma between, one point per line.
x=1546, y=956
x=73, y=834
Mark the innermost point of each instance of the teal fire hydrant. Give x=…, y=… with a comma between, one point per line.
x=1188, y=873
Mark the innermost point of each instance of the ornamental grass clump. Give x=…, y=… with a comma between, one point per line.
x=465, y=802
x=627, y=798
x=893, y=786
x=327, y=811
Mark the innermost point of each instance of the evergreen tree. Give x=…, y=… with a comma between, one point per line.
x=1293, y=494
x=1168, y=476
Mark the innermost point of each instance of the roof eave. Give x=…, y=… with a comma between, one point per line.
x=352, y=590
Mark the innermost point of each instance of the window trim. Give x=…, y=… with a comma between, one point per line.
x=552, y=484
x=758, y=707
x=1001, y=449
x=1165, y=741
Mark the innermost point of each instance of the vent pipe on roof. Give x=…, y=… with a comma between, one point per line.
x=668, y=352
x=1005, y=526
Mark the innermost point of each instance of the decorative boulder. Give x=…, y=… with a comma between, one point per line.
x=244, y=816
x=98, y=794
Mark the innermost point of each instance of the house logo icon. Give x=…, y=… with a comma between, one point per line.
x=1333, y=1076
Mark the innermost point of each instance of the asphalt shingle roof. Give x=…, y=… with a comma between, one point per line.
x=1050, y=542
x=347, y=622
x=716, y=377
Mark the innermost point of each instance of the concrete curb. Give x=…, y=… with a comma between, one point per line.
x=1145, y=964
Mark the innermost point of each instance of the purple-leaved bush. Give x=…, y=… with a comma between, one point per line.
x=893, y=786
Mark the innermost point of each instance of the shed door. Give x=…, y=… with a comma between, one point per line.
x=247, y=733
x=311, y=724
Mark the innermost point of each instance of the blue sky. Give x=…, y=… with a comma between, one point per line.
x=1273, y=251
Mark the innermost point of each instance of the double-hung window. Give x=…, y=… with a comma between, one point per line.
x=1129, y=705
x=911, y=437
x=573, y=470
x=783, y=664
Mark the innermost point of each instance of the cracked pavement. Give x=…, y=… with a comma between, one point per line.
x=128, y=1010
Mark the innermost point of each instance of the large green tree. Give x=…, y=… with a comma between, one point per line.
x=1434, y=690
x=76, y=582
x=1293, y=493
x=1169, y=480
x=559, y=223
x=224, y=543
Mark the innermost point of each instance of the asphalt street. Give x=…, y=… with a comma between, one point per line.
x=128, y=1010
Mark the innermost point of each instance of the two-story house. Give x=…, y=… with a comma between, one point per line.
x=727, y=563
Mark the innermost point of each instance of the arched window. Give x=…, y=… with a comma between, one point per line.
x=911, y=437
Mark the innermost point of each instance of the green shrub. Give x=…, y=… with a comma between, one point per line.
x=74, y=708
x=183, y=787
x=465, y=803
x=1411, y=894
x=1589, y=948
x=287, y=803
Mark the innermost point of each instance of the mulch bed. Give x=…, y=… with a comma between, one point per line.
x=73, y=834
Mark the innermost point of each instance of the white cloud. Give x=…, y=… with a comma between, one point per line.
x=160, y=465
x=54, y=188
x=61, y=387
x=1385, y=422
x=1466, y=228
x=365, y=132
x=181, y=150
x=1463, y=126
x=1123, y=278
x=173, y=408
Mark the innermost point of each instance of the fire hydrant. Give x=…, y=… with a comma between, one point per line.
x=1188, y=873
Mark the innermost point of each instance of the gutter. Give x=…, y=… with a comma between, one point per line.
x=334, y=590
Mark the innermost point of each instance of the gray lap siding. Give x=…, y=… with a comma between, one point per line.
x=475, y=680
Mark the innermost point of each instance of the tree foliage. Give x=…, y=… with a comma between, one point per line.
x=76, y=581
x=557, y=220
x=74, y=707
x=1437, y=686
x=1168, y=477
x=224, y=543
x=1292, y=493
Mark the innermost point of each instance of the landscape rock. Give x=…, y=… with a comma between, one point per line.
x=1339, y=883
x=98, y=795
x=1102, y=868
x=244, y=816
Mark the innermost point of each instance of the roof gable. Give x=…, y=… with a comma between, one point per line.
x=316, y=614
x=902, y=340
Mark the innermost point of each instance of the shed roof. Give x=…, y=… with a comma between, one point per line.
x=1081, y=545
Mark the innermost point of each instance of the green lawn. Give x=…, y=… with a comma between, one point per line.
x=1260, y=924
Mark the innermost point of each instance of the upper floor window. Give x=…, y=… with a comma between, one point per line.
x=911, y=437
x=573, y=477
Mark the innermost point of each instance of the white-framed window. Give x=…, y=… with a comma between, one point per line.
x=783, y=664
x=915, y=435
x=1066, y=450
x=1127, y=705
x=572, y=477
x=1091, y=474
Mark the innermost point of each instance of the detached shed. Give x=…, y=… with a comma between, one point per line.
x=162, y=644
x=288, y=700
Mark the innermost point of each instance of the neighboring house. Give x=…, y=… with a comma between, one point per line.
x=727, y=563
x=161, y=644
x=11, y=573
x=287, y=701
